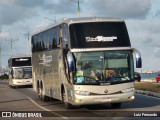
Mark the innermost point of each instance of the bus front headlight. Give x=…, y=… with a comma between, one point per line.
x=79, y=92
x=127, y=90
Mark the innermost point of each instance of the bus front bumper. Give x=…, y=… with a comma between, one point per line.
x=101, y=99
x=22, y=83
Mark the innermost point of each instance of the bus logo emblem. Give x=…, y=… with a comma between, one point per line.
x=106, y=91
x=45, y=60
x=101, y=39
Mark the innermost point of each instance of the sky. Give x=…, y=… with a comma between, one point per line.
x=18, y=17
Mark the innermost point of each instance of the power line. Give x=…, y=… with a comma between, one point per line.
x=50, y=19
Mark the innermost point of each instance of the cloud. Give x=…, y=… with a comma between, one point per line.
x=157, y=51
x=144, y=35
x=120, y=8
x=157, y=14
x=23, y=3
x=60, y=7
x=4, y=34
x=15, y=10
x=30, y=3
x=146, y=31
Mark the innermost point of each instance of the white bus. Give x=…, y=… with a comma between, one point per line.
x=20, y=71
x=84, y=61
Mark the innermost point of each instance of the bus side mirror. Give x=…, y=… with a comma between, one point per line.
x=71, y=62
x=11, y=71
x=138, y=58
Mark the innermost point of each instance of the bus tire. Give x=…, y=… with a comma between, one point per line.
x=43, y=97
x=66, y=104
x=39, y=91
x=13, y=87
x=116, y=105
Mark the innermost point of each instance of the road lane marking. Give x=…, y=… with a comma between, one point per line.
x=39, y=105
x=45, y=108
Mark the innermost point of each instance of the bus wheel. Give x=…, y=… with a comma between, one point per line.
x=41, y=94
x=67, y=105
x=116, y=105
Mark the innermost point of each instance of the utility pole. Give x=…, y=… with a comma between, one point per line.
x=0, y=56
x=2, y=48
x=78, y=2
x=78, y=9
x=11, y=41
x=28, y=36
x=1, y=59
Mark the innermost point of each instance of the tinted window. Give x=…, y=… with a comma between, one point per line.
x=54, y=38
x=23, y=61
x=65, y=35
x=33, y=44
x=45, y=41
x=99, y=34
x=49, y=39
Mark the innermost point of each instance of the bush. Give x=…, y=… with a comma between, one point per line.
x=148, y=86
x=5, y=76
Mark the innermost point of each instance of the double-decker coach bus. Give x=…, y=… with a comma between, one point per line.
x=84, y=61
x=20, y=71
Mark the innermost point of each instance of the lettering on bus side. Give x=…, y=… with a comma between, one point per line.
x=45, y=60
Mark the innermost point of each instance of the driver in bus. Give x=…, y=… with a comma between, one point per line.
x=96, y=75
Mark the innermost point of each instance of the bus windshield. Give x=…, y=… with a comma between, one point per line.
x=109, y=67
x=23, y=73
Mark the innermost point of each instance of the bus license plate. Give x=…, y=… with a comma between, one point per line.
x=105, y=100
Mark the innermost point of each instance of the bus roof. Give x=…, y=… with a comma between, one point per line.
x=81, y=20
x=19, y=56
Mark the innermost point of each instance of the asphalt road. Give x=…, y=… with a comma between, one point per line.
x=23, y=102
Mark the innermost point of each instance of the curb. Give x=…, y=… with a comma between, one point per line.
x=148, y=93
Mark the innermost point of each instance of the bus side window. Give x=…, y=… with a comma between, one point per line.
x=33, y=44
x=60, y=38
x=36, y=43
x=45, y=42
x=53, y=38
x=65, y=35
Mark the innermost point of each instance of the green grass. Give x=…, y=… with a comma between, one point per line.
x=148, y=86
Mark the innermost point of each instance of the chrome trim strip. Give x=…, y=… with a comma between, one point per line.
x=99, y=49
